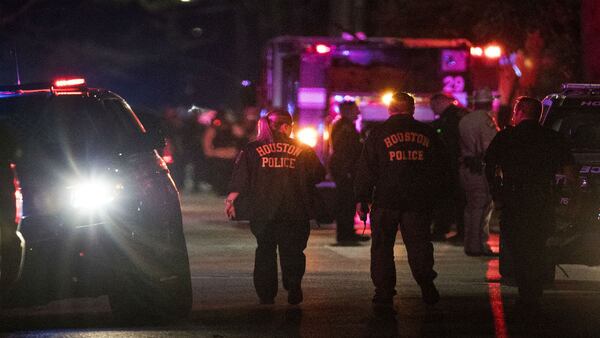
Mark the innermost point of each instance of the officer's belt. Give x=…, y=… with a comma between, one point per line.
x=533, y=187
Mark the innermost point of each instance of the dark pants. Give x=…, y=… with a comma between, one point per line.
x=450, y=211
x=291, y=238
x=220, y=173
x=525, y=229
x=414, y=227
x=345, y=209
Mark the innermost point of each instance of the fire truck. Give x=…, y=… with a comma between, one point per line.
x=310, y=76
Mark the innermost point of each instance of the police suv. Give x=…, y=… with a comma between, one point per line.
x=575, y=113
x=100, y=213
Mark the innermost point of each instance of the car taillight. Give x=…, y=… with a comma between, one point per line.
x=74, y=86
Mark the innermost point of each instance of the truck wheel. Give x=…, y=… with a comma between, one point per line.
x=153, y=289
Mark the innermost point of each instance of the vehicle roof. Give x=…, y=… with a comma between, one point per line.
x=377, y=41
x=574, y=96
x=46, y=88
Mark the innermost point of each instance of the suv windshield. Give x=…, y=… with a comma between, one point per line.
x=580, y=126
x=74, y=125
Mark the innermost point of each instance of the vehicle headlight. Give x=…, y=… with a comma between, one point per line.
x=308, y=136
x=93, y=194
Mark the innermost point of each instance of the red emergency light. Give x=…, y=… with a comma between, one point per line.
x=62, y=83
x=322, y=49
x=492, y=51
x=489, y=51
x=476, y=51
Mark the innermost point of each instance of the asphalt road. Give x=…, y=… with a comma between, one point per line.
x=337, y=291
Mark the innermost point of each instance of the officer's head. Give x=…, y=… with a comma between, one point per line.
x=349, y=110
x=280, y=122
x=440, y=101
x=526, y=108
x=482, y=99
x=402, y=104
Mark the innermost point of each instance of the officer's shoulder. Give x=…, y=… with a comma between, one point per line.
x=299, y=145
x=252, y=145
x=425, y=127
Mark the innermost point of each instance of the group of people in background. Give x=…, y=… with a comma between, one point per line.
x=421, y=179
x=202, y=145
x=477, y=159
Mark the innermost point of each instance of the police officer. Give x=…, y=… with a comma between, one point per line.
x=451, y=210
x=278, y=175
x=527, y=156
x=401, y=171
x=477, y=130
x=346, y=145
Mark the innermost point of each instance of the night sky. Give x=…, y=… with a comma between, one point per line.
x=153, y=58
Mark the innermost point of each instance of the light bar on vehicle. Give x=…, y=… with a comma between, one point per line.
x=580, y=86
x=476, y=51
x=62, y=83
x=322, y=49
x=492, y=51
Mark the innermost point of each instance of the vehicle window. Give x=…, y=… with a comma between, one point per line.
x=127, y=128
x=582, y=129
x=76, y=126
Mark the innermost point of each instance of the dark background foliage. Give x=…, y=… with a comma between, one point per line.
x=163, y=52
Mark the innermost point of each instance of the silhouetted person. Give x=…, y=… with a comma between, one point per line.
x=401, y=171
x=527, y=157
x=346, y=145
x=451, y=209
x=277, y=174
x=477, y=129
x=220, y=149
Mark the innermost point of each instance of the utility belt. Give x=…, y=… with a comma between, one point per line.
x=509, y=186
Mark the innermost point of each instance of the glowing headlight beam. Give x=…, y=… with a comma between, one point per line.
x=387, y=98
x=92, y=195
x=308, y=136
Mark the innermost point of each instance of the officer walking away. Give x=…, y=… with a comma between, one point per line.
x=527, y=157
x=346, y=145
x=451, y=210
x=477, y=130
x=278, y=175
x=401, y=172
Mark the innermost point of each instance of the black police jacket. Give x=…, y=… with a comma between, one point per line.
x=403, y=166
x=529, y=156
x=447, y=128
x=346, y=145
x=277, y=179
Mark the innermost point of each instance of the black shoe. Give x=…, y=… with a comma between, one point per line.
x=430, y=294
x=489, y=253
x=384, y=310
x=295, y=296
x=354, y=238
x=347, y=243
